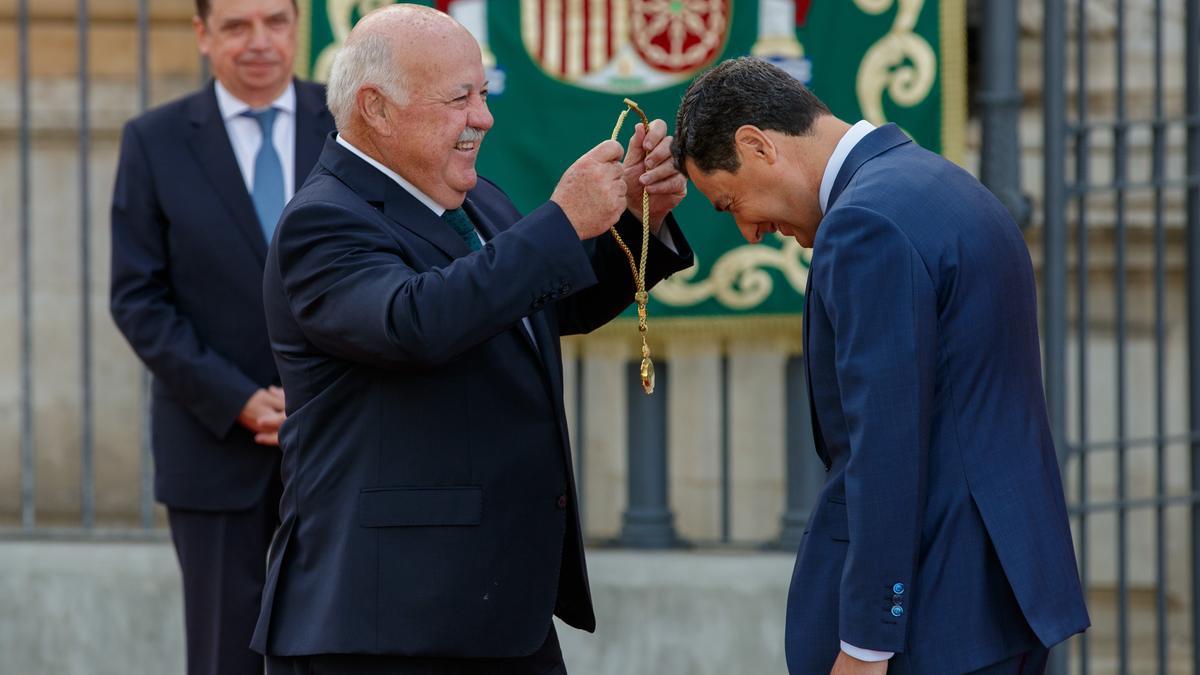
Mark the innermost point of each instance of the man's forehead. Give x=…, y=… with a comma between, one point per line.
x=708, y=183
x=235, y=8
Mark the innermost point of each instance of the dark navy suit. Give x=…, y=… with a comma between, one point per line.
x=187, y=261
x=429, y=506
x=941, y=533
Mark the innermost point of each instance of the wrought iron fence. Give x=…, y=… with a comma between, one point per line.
x=1123, y=211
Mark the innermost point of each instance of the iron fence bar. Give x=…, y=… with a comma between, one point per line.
x=1192, y=110
x=1160, y=328
x=1120, y=173
x=801, y=480
x=1135, y=186
x=28, y=458
x=1054, y=287
x=87, y=472
x=1000, y=106
x=1143, y=442
x=146, y=458
x=1106, y=125
x=726, y=445
x=1082, y=176
x=1137, y=503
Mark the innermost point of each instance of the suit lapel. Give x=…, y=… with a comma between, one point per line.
x=407, y=211
x=398, y=205
x=311, y=123
x=209, y=142
x=539, y=342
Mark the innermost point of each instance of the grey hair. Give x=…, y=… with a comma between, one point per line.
x=367, y=59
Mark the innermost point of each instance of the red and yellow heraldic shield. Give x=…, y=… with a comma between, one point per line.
x=624, y=45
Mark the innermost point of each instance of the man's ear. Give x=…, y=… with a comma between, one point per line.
x=754, y=145
x=200, y=28
x=372, y=106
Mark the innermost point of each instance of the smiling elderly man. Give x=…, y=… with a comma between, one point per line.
x=429, y=516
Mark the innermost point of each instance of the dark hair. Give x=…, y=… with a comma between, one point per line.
x=734, y=93
x=203, y=7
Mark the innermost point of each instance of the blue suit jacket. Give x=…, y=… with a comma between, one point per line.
x=429, y=505
x=941, y=533
x=186, y=290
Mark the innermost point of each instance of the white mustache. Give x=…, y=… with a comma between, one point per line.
x=471, y=135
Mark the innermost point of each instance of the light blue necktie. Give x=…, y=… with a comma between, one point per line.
x=268, y=174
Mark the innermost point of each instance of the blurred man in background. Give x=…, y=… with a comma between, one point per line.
x=429, y=515
x=200, y=186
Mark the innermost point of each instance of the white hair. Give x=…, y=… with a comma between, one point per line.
x=367, y=59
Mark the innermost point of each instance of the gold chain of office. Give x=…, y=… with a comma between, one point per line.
x=639, y=267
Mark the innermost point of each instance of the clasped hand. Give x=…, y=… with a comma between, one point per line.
x=264, y=414
x=599, y=186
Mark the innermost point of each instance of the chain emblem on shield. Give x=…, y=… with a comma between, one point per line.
x=678, y=35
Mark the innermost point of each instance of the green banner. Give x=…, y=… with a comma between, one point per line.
x=559, y=70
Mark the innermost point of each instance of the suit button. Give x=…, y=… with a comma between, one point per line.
x=562, y=502
x=564, y=289
x=897, y=611
x=898, y=589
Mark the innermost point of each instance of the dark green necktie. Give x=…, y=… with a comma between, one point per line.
x=462, y=224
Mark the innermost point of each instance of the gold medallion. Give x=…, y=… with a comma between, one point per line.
x=639, y=270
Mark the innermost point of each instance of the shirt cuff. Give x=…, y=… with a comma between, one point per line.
x=664, y=235
x=866, y=654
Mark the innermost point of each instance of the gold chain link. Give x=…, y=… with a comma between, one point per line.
x=638, y=267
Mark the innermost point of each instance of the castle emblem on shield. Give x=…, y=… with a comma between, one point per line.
x=624, y=46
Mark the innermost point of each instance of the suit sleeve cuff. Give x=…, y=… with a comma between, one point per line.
x=861, y=654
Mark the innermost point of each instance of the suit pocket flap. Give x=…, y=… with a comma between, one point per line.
x=836, y=521
x=420, y=506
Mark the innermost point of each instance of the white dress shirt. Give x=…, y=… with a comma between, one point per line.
x=245, y=135
x=836, y=160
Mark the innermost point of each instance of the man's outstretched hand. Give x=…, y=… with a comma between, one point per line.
x=648, y=164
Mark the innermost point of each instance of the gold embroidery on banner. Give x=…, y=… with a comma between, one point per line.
x=739, y=279
x=902, y=63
